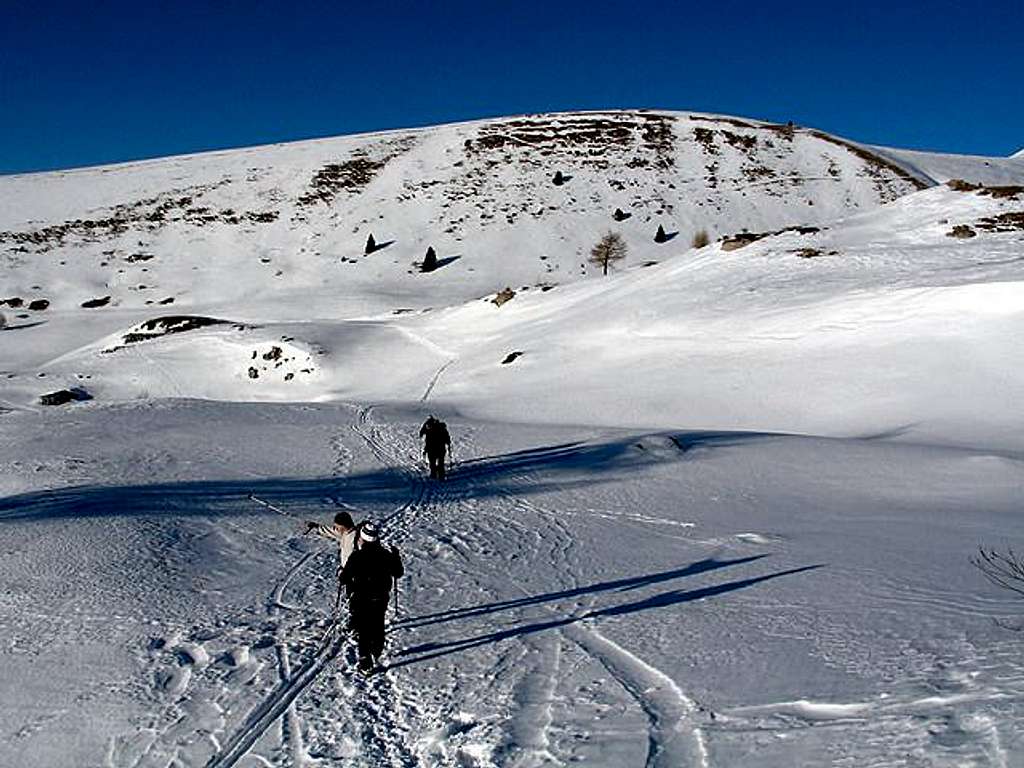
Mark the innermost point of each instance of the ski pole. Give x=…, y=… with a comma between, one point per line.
x=396, y=598
x=273, y=508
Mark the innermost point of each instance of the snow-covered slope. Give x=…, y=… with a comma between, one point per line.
x=292, y=220
x=943, y=167
x=712, y=509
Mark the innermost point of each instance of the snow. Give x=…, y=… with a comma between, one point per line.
x=974, y=168
x=719, y=511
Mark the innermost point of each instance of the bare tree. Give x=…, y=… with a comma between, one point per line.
x=609, y=249
x=1003, y=570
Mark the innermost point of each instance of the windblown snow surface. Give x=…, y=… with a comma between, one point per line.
x=714, y=509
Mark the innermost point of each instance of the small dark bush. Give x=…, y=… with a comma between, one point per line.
x=502, y=297
x=961, y=231
x=959, y=185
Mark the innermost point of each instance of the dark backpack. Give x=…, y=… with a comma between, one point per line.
x=374, y=570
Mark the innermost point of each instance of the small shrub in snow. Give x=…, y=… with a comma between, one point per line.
x=608, y=250
x=959, y=185
x=660, y=236
x=1003, y=570
x=501, y=297
x=371, y=245
x=961, y=231
x=808, y=253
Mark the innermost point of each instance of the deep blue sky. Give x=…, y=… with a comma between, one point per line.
x=83, y=83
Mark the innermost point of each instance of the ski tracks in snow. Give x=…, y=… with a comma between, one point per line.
x=218, y=709
x=317, y=710
x=488, y=531
x=674, y=740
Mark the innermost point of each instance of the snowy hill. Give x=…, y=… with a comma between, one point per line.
x=712, y=509
x=294, y=218
x=943, y=167
x=277, y=234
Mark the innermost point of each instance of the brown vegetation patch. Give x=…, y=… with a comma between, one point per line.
x=813, y=253
x=588, y=137
x=961, y=231
x=741, y=142
x=503, y=297
x=742, y=239
x=706, y=138
x=757, y=172
x=960, y=185
x=148, y=214
x=354, y=174
x=1012, y=221
x=746, y=238
x=726, y=120
x=1005, y=192
x=329, y=181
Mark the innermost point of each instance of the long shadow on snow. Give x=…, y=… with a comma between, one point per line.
x=427, y=651
x=558, y=467
x=617, y=585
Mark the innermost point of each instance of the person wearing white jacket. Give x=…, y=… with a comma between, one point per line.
x=346, y=533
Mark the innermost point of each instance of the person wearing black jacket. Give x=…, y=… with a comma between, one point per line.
x=436, y=441
x=369, y=575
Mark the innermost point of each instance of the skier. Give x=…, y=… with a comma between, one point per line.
x=369, y=575
x=436, y=441
x=347, y=534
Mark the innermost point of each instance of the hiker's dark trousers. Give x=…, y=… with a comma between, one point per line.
x=368, y=619
x=436, y=459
